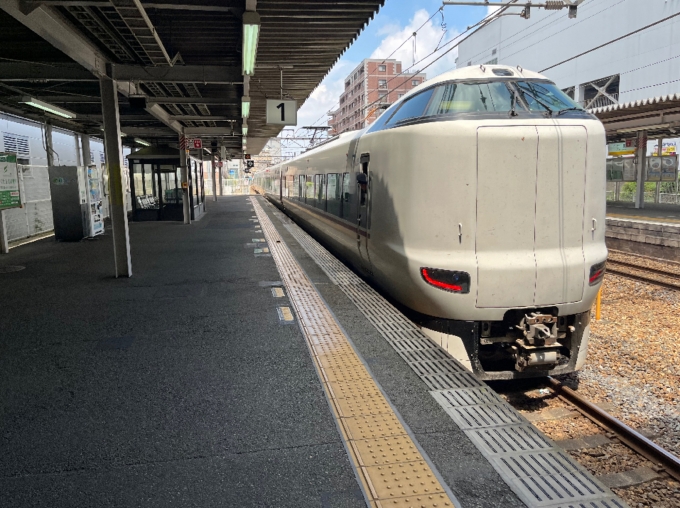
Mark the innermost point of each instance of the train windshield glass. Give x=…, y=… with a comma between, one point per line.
x=470, y=98
x=541, y=96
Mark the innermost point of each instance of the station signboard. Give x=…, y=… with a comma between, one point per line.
x=662, y=169
x=621, y=169
x=627, y=147
x=10, y=193
x=281, y=112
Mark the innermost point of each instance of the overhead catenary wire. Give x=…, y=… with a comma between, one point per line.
x=612, y=41
x=482, y=22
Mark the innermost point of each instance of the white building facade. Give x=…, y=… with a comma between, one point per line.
x=643, y=65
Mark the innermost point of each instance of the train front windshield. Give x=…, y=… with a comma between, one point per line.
x=498, y=96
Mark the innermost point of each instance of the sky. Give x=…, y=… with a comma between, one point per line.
x=395, y=22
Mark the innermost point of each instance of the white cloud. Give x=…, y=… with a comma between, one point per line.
x=428, y=38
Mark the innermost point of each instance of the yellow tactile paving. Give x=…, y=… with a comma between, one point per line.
x=392, y=470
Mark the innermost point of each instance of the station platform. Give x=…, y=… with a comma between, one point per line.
x=651, y=213
x=234, y=371
x=651, y=231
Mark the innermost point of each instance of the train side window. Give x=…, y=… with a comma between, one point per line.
x=301, y=188
x=320, y=185
x=309, y=190
x=346, y=195
x=334, y=193
x=412, y=108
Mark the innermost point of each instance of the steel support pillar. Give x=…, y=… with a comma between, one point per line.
x=4, y=237
x=184, y=169
x=214, y=176
x=49, y=148
x=85, y=143
x=641, y=156
x=223, y=159
x=658, y=184
x=114, y=161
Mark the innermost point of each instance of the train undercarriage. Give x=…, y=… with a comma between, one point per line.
x=526, y=343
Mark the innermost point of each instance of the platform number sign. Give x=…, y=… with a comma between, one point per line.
x=281, y=112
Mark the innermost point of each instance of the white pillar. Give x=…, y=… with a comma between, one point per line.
x=114, y=161
x=184, y=170
x=641, y=169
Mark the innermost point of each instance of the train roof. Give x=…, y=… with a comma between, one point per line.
x=481, y=72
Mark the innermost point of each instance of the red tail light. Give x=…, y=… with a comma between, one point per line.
x=596, y=273
x=456, y=282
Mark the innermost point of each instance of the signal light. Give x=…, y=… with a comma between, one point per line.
x=596, y=273
x=453, y=281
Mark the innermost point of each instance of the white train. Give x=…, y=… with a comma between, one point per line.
x=477, y=202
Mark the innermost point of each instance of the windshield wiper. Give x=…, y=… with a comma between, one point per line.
x=534, y=94
x=569, y=109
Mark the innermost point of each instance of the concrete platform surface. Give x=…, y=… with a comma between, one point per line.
x=176, y=387
x=650, y=213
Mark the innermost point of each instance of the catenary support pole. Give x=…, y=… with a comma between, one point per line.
x=184, y=170
x=641, y=156
x=114, y=161
x=49, y=148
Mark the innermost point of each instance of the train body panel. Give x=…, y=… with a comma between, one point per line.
x=511, y=205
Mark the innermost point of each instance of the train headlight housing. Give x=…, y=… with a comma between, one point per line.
x=448, y=280
x=596, y=273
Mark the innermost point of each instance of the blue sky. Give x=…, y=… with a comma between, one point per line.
x=395, y=22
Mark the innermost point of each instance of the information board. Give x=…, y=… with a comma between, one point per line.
x=621, y=169
x=10, y=196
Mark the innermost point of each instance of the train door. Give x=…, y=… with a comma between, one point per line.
x=363, y=210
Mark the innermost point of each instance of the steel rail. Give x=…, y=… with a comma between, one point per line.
x=642, y=268
x=642, y=278
x=626, y=434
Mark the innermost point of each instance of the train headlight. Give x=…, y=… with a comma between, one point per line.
x=455, y=282
x=596, y=273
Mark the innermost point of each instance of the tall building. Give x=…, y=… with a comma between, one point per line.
x=369, y=89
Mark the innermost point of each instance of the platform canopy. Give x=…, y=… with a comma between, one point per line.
x=184, y=57
x=659, y=116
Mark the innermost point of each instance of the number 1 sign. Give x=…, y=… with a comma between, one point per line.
x=281, y=112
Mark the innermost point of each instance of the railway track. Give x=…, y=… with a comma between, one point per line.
x=627, y=435
x=636, y=468
x=644, y=274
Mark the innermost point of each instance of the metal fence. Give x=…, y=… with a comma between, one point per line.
x=35, y=216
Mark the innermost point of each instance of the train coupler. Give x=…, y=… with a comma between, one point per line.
x=538, y=346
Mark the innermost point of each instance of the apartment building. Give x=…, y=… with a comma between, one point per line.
x=369, y=89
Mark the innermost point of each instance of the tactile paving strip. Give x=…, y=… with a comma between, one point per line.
x=392, y=469
x=533, y=467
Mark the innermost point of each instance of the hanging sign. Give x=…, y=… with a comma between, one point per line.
x=10, y=196
x=281, y=112
x=198, y=144
x=627, y=147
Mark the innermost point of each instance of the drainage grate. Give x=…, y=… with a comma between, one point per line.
x=534, y=468
x=11, y=269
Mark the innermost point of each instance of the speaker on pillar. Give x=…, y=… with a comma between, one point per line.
x=137, y=101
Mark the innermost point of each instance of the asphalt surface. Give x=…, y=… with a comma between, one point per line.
x=176, y=387
x=180, y=387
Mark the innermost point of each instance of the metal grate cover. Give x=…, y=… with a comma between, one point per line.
x=539, y=472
